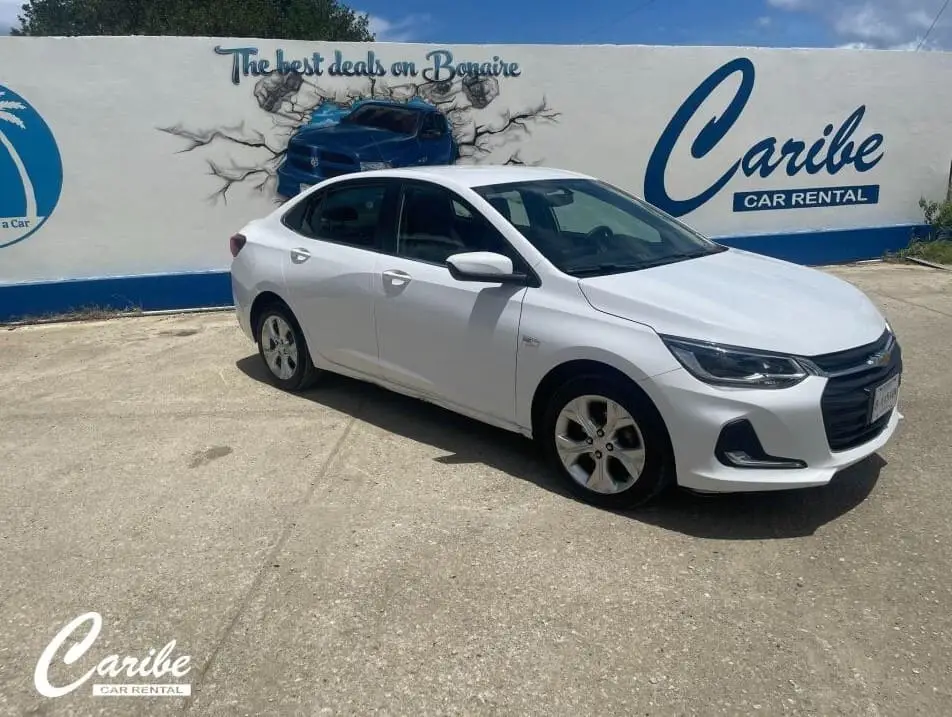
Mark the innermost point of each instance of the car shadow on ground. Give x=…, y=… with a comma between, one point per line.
x=760, y=516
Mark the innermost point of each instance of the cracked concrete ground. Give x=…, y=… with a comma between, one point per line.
x=355, y=552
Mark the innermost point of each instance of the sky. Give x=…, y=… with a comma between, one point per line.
x=858, y=24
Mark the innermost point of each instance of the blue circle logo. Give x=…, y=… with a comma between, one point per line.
x=31, y=169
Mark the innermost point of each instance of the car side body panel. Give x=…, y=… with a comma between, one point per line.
x=559, y=327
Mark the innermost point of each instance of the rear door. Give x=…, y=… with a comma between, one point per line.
x=330, y=269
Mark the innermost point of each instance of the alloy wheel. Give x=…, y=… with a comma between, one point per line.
x=279, y=347
x=600, y=444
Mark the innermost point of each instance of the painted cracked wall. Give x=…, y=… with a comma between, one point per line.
x=143, y=155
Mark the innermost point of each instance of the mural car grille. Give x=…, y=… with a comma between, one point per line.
x=331, y=164
x=337, y=158
x=846, y=399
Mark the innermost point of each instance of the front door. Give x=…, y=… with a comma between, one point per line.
x=330, y=272
x=438, y=336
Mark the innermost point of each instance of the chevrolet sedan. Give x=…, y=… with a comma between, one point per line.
x=637, y=353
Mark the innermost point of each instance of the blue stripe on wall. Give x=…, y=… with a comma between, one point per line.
x=837, y=246
x=149, y=292
x=213, y=288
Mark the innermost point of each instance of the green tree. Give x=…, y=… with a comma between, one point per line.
x=326, y=20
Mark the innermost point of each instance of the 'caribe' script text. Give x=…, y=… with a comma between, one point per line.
x=442, y=65
x=155, y=664
x=764, y=157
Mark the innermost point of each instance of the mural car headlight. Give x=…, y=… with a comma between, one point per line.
x=738, y=367
x=368, y=166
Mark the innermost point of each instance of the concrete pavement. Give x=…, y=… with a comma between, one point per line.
x=355, y=552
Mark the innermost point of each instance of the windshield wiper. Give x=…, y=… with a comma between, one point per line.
x=618, y=267
x=681, y=256
x=596, y=269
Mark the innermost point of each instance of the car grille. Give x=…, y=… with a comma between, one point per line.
x=845, y=403
x=331, y=164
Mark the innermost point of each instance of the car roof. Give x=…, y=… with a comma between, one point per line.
x=470, y=175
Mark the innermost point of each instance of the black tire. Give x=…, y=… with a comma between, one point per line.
x=658, y=473
x=304, y=374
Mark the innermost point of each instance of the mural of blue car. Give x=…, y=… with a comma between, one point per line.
x=373, y=134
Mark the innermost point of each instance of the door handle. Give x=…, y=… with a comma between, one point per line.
x=299, y=256
x=397, y=277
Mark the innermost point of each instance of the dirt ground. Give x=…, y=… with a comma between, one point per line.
x=351, y=551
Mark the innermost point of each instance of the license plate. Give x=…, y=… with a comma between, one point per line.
x=884, y=398
x=305, y=187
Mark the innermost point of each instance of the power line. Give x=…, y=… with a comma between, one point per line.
x=624, y=17
x=934, y=23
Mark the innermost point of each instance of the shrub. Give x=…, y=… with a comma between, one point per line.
x=938, y=217
x=933, y=242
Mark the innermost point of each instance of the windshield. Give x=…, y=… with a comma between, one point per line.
x=589, y=228
x=392, y=119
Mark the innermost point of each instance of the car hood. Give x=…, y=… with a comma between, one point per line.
x=343, y=137
x=742, y=299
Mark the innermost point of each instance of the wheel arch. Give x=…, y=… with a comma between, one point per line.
x=262, y=301
x=575, y=368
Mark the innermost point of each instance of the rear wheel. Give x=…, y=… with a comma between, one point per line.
x=608, y=442
x=283, y=349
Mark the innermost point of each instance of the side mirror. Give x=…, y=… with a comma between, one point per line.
x=484, y=266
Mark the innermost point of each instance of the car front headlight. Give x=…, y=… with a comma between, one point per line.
x=369, y=166
x=737, y=367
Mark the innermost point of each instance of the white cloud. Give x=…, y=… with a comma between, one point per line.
x=407, y=29
x=867, y=22
x=878, y=24
x=901, y=47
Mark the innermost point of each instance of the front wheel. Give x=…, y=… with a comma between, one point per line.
x=608, y=442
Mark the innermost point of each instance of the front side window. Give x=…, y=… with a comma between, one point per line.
x=589, y=228
x=435, y=223
x=344, y=215
x=433, y=126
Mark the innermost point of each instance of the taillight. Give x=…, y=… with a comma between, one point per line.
x=237, y=242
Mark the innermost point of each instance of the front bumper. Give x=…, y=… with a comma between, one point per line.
x=798, y=424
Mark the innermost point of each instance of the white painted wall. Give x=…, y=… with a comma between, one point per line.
x=133, y=202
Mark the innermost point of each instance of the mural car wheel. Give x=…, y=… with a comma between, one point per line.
x=608, y=442
x=283, y=349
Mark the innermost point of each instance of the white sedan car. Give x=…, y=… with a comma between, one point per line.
x=636, y=352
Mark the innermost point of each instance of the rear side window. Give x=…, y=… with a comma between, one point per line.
x=346, y=215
